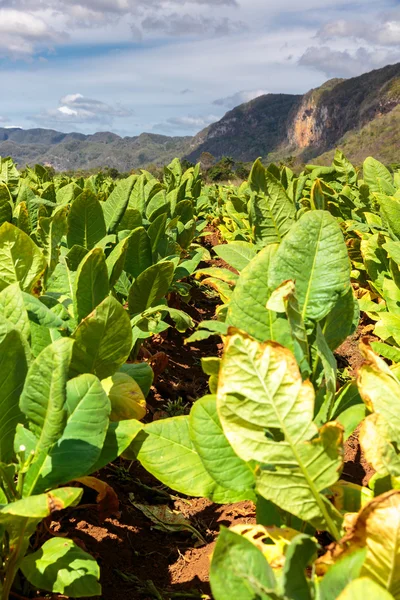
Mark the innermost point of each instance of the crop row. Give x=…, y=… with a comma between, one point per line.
x=88, y=268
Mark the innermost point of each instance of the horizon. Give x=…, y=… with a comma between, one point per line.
x=89, y=66
x=99, y=131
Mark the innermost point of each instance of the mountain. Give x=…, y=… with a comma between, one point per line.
x=360, y=115
x=72, y=151
x=340, y=113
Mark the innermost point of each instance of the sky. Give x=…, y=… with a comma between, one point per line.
x=173, y=67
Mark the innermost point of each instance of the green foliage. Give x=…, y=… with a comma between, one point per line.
x=90, y=268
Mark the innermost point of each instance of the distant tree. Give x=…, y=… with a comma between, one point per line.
x=222, y=171
x=242, y=170
x=51, y=172
x=207, y=160
x=156, y=171
x=113, y=173
x=186, y=164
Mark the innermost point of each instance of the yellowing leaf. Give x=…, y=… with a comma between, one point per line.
x=363, y=588
x=126, y=397
x=107, y=499
x=380, y=432
x=20, y=259
x=266, y=412
x=378, y=450
x=378, y=386
x=272, y=541
x=349, y=497
x=376, y=528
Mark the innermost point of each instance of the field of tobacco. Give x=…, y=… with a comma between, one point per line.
x=200, y=385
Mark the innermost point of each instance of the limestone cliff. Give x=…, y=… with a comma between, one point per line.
x=278, y=125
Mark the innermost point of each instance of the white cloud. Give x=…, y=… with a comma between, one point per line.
x=190, y=123
x=21, y=32
x=239, y=98
x=177, y=24
x=76, y=108
x=4, y=120
x=386, y=33
x=26, y=26
x=183, y=45
x=337, y=63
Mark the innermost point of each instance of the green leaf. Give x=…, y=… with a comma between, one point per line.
x=341, y=574
x=393, y=250
x=120, y=436
x=390, y=352
x=217, y=455
x=75, y=257
x=137, y=200
x=80, y=445
x=61, y=283
x=91, y=283
x=380, y=432
x=340, y=322
x=12, y=308
x=315, y=256
x=40, y=338
x=239, y=570
x=39, y=313
x=206, y=329
x=257, y=177
x=156, y=231
x=67, y=194
x=376, y=174
x=116, y=261
x=6, y=211
x=391, y=295
x=139, y=255
x=20, y=518
x=388, y=326
x=330, y=369
x=142, y=373
x=143, y=320
x=13, y=370
x=62, y=567
x=283, y=299
x=86, y=224
x=166, y=450
x=344, y=167
x=24, y=437
x=41, y=506
x=363, y=588
x=43, y=397
x=130, y=221
x=115, y=205
x=375, y=258
x=103, y=340
x=317, y=198
x=237, y=254
x=390, y=211
x=150, y=286
x=20, y=259
x=301, y=551
x=248, y=306
x=272, y=214
x=52, y=230
x=266, y=412
x=348, y=409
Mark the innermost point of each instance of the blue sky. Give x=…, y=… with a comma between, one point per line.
x=173, y=67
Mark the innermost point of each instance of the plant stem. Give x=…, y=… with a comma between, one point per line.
x=12, y=565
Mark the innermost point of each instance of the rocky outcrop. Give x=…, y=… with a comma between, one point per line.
x=273, y=126
x=307, y=125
